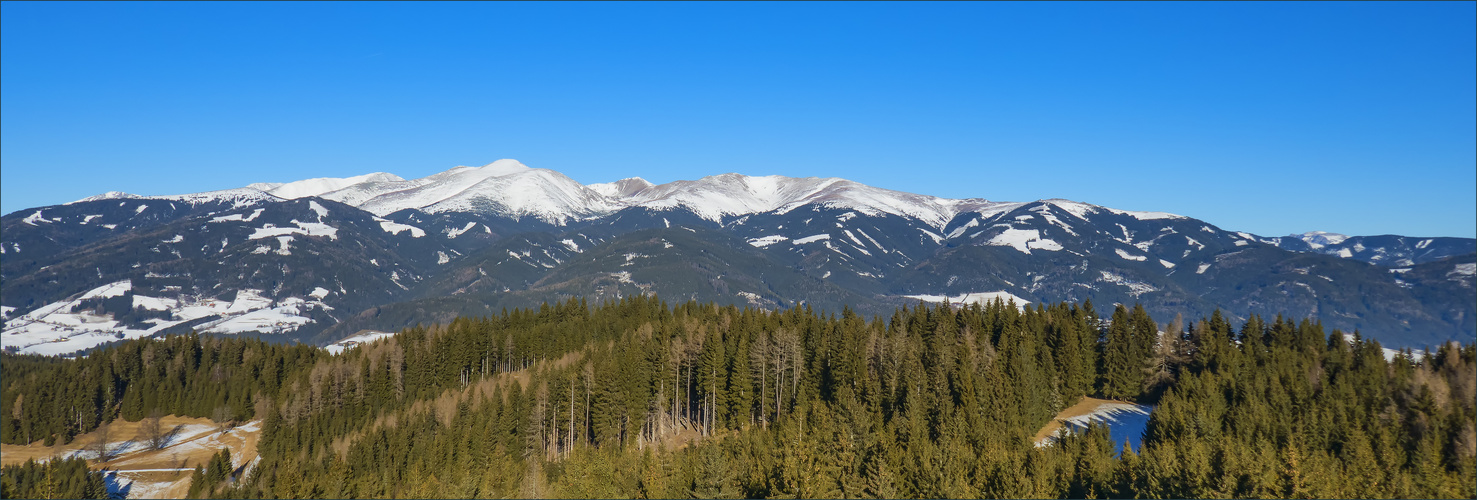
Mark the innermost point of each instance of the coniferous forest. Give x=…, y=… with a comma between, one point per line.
x=639, y=398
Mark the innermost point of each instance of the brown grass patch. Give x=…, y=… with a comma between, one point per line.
x=1084, y=406
x=186, y=452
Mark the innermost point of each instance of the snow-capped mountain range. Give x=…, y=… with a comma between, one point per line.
x=510, y=188
x=321, y=259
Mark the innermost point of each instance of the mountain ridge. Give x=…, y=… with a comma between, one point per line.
x=507, y=235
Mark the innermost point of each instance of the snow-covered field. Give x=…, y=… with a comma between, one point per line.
x=56, y=329
x=981, y=298
x=363, y=337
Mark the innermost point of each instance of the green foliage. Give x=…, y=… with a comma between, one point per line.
x=65, y=478
x=636, y=398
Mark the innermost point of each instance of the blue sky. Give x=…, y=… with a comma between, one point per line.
x=1272, y=118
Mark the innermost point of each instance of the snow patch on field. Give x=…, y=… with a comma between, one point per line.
x=154, y=303
x=395, y=228
x=238, y=217
x=1024, y=240
x=361, y=338
x=981, y=298
x=960, y=230
x=285, y=316
x=303, y=228
x=317, y=209
x=765, y=241
x=1129, y=256
x=452, y=233
x=54, y=329
x=811, y=239
x=1135, y=288
x=1145, y=215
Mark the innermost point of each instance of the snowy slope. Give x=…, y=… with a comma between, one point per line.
x=510, y=188
x=714, y=197
x=319, y=186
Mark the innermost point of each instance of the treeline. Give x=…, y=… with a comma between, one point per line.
x=62, y=478
x=50, y=399
x=641, y=399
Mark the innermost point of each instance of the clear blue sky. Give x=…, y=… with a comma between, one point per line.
x=1271, y=118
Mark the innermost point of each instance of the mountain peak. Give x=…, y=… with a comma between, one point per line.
x=110, y=195
x=504, y=166
x=1320, y=239
x=623, y=188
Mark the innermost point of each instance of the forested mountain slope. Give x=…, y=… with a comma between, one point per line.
x=320, y=259
x=636, y=398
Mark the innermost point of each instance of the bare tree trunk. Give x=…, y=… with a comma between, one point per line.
x=570, y=442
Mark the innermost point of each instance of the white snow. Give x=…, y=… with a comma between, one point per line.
x=88, y=218
x=1128, y=256
x=452, y=232
x=303, y=228
x=395, y=228
x=1202, y=268
x=960, y=230
x=110, y=195
x=1145, y=215
x=1467, y=269
x=176, y=239
x=239, y=217
x=140, y=209
x=1135, y=288
x=869, y=238
x=1023, y=240
x=1241, y=243
x=154, y=303
x=1166, y=264
x=319, y=186
x=809, y=239
x=319, y=292
x=765, y=241
x=285, y=316
x=1045, y=212
x=115, y=289
x=442, y=258
x=361, y=338
x=571, y=244
x=1320, y=239
x=1345, y=253
x=54, y=329
x=33, y=219
x=981, y=298
x=318, y=209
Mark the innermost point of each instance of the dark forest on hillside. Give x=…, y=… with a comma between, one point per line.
x=637, y=398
